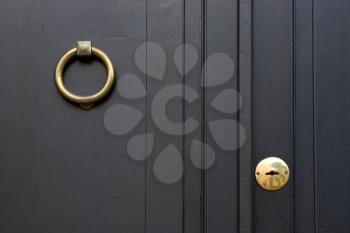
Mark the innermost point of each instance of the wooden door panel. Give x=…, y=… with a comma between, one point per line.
x=272, y=108
x=221, y=181
x=331, y=88
x=304, y=193
x=61, y=170
x=68, y=171
x=166, y=208
x=321, y=185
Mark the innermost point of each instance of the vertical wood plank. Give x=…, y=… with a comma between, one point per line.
x=245, y=118
x=193, y=174
x=304, y=193
x=332, y=104
x=165, y=202
x=273, y=107
x=221, y=36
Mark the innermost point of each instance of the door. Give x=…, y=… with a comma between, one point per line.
x=65, y=169
x=204, y=91
x=300, y=61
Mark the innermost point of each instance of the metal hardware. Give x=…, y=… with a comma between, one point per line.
x=272, y=173
x=84, y=48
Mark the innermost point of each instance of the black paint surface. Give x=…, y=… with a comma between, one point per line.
x=61, y=171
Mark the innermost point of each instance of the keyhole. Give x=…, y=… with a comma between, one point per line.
x=272, y=173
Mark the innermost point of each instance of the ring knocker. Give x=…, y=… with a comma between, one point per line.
x=84, y=48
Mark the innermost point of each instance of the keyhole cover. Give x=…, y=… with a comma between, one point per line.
x=272, y=173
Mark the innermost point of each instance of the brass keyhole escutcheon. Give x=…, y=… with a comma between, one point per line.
x=272, y=173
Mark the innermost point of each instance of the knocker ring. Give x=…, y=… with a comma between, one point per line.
x=84, y=48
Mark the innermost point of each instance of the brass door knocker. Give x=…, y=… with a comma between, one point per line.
x=84, y=48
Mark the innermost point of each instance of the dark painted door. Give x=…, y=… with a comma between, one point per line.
x=300, y=98
x=64, y=169
x=205, y=90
